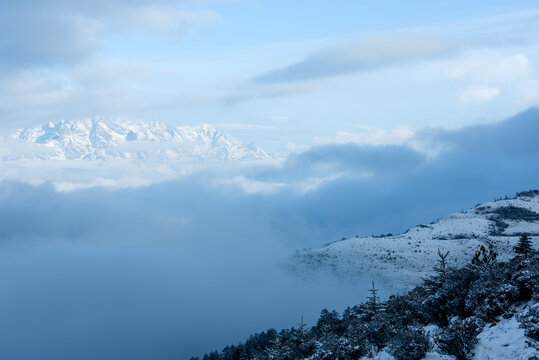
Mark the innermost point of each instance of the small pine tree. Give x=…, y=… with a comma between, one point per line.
x=442, y=269
x=301, y=327
x=374, y=300
x=301, y=345
x=524, y=246
x=484, y=256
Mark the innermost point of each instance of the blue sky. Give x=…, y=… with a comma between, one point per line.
x=285, y=76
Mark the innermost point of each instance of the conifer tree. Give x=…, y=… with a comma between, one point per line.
x=301, y=345
x=275, y=349
x=374, y=300
x=524, y=246
x=301, y=328
x=442, y=269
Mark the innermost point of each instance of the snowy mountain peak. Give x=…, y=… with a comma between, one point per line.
x=122, y=138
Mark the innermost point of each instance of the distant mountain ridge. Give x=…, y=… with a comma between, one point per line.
x=121, y=138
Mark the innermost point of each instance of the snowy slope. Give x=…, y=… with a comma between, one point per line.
x=504, y=340
x=403, y=260
x=120, y=138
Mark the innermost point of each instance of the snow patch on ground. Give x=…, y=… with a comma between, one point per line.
x=504, y=341
x=382, y=355
x=436, y=356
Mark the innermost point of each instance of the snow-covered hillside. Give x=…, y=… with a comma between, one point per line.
x=504, y=340
x=120, y=138
x=485, y=311
x=403, y=260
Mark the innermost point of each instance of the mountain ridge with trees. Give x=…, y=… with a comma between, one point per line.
x=457, y=311
x=443, y=318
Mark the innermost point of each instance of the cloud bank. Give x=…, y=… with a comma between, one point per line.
x=179, y=268
x=371, y=52
x=34, y=33
x=365, y=53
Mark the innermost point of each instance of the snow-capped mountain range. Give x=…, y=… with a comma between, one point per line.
x=403, y=260
x=121, y=138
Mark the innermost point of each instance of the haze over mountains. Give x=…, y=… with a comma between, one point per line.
x=121, y=153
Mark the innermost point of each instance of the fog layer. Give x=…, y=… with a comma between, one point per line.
x=183, y=267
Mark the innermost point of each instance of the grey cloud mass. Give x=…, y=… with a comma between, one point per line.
x=377, y=51
x=31, y=37
x=52, y=33
x=365, y=53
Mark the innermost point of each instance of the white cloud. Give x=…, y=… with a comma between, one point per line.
x=315, y=182
x=167, y=19
x=245, y=126
x=368, y=136
x=511, y=68
x=155, y=18
x=491, y=66
x=27, y=89
x=292, y=146
x=58, y=32
x=529, y=92
x=479, y=94
x=303, y=186
x=251, y=186
x=487, y=74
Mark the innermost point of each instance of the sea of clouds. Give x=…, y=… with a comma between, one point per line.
x=182, y=261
